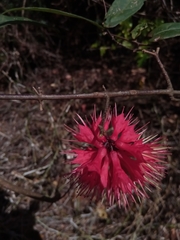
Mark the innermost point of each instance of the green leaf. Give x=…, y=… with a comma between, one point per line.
x=102, y=50
x=136, y=32
x=120, y=10
x=166, y=30
x=54, y=11
x=127, y=44
x=5, y=20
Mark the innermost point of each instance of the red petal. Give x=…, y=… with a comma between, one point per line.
x=105, y=172
x=83, y=156
x=85, y=134
x=118, y=124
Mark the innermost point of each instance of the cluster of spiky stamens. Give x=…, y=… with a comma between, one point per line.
x=117, y=161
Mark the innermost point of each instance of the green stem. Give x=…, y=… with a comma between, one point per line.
x=54, y=11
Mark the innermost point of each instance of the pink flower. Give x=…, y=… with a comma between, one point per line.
x=116, y=161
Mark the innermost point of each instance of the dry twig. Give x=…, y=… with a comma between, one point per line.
x=129, y=93
x=8, y=185
x=167, y=78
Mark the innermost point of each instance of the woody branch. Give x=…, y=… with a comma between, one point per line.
x=130, y=93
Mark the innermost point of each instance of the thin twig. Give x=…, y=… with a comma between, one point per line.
x=8, y=185
x=115, y=38
x=129, y=93
x=39, y=94
x=168, y=80
x=24, y=4
x=106, y=109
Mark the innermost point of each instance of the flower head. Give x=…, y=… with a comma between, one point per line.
x=116, y=162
